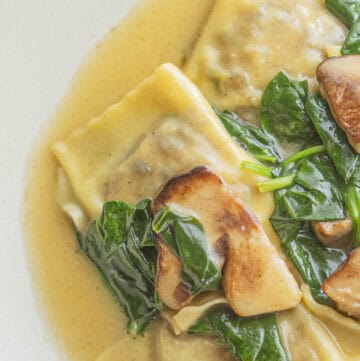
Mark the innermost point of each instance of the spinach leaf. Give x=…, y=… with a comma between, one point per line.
x=143, y=223
x=318, y=177
x=283, y=113
x=316, y=194
x=186, y=237
x=334, y=139
x=347, y=11
x=352, y=42
x=345, y=159
x=248, y=339
x=313, y=260
x=249, y=136
x=113, y=244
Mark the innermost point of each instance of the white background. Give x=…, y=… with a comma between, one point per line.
x=42, y=42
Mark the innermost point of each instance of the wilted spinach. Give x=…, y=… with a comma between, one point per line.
x=283, y=113
x=345, y=159
x=251, y=137
x=248, y=339
x=115, y=244
x=143, y=223
x=186, y=237
x=334, y=139
x=352, y=43
x=348, y=11
x=313, y=190
x=315, y=195
x=313, y=260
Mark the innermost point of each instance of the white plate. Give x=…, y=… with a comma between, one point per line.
x=41, y=45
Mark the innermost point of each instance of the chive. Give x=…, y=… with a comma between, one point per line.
x=256, y=168
x=278, y=183
x=304, y=153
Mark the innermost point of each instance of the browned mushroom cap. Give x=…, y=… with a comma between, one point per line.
x=333, y=232
x=343, y=286
x=256, y=279
x=339, y=78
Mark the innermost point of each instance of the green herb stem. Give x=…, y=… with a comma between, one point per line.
x=304, y=154
x=278, y=183
x=256, y=168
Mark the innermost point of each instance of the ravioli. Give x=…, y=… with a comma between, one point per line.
x=246, y=43
x=305, y=338
x=91, y=154
x=164, y=127
x=181, y=321
x=184, y=348
x=160, y=128
x=345, y=330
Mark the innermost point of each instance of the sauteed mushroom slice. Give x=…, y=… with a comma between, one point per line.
x=172, y=291
x=343, y=286
x=333, y=232
x=256, y=279
x=339, y=78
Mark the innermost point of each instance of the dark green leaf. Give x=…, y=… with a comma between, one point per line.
x=112, y=243
x=352, y=42
x=251, y=137
x=347, y=11
x=316, y=194
x=248, y=339
x=334, y=139
x=143, y=223
x=345, y=159
x=112, y=225
x=186, y=236
x=283, y=113
x=314, y=261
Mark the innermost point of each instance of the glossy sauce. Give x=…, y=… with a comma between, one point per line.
x=83, y=315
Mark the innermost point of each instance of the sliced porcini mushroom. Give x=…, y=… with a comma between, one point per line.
x=171, y=288
x=343, y=286
x=256, y=279
x=333, y=232
x=339, y=78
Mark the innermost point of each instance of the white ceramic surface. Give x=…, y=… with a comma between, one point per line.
x=42, y=42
